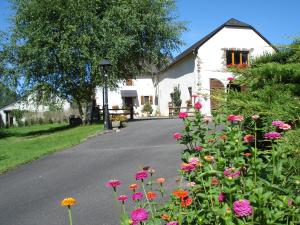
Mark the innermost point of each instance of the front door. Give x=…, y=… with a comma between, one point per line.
x=128, y=102
x=216, y=87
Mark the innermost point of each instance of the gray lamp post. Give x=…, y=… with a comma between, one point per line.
x=105, y=64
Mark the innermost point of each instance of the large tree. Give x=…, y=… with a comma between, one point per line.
x=57, y=44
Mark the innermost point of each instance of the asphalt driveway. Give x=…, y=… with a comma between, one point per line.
x=31, y=194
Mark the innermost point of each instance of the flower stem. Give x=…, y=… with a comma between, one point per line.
x=147, y=200
x=255, y=152
x=70, y=215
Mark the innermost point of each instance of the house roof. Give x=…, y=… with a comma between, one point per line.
x=230, y=23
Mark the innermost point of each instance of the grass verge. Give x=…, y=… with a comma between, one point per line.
x=24, y=144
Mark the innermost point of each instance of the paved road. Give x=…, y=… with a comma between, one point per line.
x=31, y=194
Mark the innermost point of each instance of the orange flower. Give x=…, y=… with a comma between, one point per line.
x=186, y=201
x=248, y=154
x=166, y=217
x=214, y=181
x=180, y=193
x=160, y=180
x=223, y=137
x=68, y=202
x=211, y=140
x=209, y=158
x=151, y=195
x=133, y=186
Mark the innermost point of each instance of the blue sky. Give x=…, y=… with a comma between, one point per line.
x=277, y=20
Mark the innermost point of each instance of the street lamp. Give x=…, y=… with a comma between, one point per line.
x=105, y=64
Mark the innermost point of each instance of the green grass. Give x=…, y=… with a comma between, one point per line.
x=24, y=144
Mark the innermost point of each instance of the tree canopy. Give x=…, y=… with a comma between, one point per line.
x=57, y=45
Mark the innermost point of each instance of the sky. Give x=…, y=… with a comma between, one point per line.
x=277, y=20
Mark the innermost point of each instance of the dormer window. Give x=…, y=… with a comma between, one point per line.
x=236, y=58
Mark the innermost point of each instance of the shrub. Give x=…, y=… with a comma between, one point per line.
x=147, y=108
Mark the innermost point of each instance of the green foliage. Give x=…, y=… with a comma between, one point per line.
x=175, y=96
x=7, y=96
x=147, y=108
x=58, y=45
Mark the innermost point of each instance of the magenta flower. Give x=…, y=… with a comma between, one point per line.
x=182, y=115
x=222, y=197
x=231, y=172
x=122, y=198
x=198, y=105
x=177, y=136
x=248, y=138
x=277, y=123
x=137, y=196
x=194, y=161
x=230, y=78
x=141, y=175
x=139, y=215
x=272, y=135
x=285, y=126
x=198, y=148
x=242, y=208
x=187, y=167
x=113, y=183
x=173, y=223
x=235, y=118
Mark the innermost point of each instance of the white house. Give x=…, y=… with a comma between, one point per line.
x=200, y=69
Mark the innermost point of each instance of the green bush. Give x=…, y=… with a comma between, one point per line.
x=147, y=108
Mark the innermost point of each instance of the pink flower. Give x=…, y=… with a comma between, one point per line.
x=234, y=118
x=173, y=223
x=248, y=138
x=272, y=135
x=141, y=175
x=177, y=136
x=139, y=215
x=187, y=167
x=122, y=198
x=277, y=123
x=198, y=148
x=137, y=196
x=198, y=105
x=231, y=172
x=191, y=184
x=230, y=78
x=194, y=161
x=285, y=126
x=113, y=183
x=242, y=208
x=255, y=117
x=182, y=115
x=207, y=119
x=222, y=197
x=290, y=202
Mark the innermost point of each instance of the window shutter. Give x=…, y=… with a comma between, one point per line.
x=142, y=100
x=151, y=100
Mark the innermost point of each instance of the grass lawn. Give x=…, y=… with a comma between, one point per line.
x=23, y=144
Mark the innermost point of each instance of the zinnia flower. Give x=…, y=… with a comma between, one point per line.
x=248, y=138
x=151, y=171
x=141, y=175
x=235, y=118
x=208, y=158
x=191, y=184
x=198, y=105
x=133, y=186
x=180, y=193
x=177, y=136
x=122, y=198
x=151, y=195
x=198, y=148
x=230, y=78
x=139, y=215
x=214, y=181
x=272, y=135
x=165, y=217
x=255, y=117
x=231, y=172
x=137, y=196
x=242, y=208
x=277, y=123
x=182, y=115
x=186, y=201
x=207, y=119
x=68, y=202
x=285, y=126
x=160, y=180
x=113, y=183
x=221, y=197
x=187, y=167
x=173, y=223
x=247, y=154
x=194, y=161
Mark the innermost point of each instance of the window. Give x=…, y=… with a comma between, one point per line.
x=236, y=57
x=129, y=82
x=146, y=99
